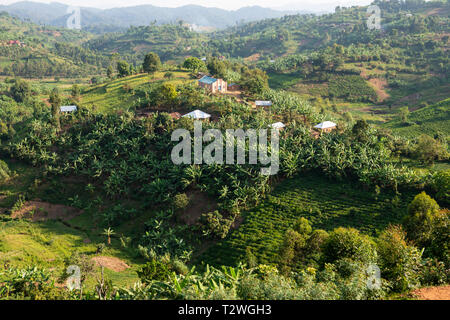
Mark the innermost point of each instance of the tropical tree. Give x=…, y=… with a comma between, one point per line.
x=55, y=101
x=20, y=90
x=123, y=68
x=194, y=64
x=75, y=92
x=152, y=62
x=419, y=222
x=108, y=233
x=110, y=72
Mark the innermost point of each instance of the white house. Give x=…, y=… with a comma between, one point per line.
x=277, y=125
x=326, y=126
x=197, y=115
x=68, y=108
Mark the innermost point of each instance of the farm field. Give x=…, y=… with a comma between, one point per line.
x=429, y=120
x=325, y=203
x=112, y=96
x=25, y=241
x=126, y=188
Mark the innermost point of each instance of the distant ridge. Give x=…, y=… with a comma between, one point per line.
x=55, y=14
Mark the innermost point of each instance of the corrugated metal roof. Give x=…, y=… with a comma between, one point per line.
x=277, y=125
x=197, y=114
x=263, y=103
x=208, y=80
x=325, y=125
x=68, y=108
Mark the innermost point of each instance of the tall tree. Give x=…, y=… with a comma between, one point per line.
x=152, y=63
x=110, y=72
x=123, y=68
x=194, y=64
x=55, y=101
x=75, y=92
x=20, y=90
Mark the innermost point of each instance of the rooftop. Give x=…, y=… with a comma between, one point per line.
x=208, y=80
x=325, y=125
x=197, y=114
x=277, y=125
x=68, y=108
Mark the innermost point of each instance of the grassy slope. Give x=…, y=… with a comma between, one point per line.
x=111, y=95
x=48, y=243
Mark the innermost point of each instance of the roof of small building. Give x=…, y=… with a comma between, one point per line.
x=197, y=114
x=325, y=125
x=277, y=125
x=208, y=80
x=175, y=115
x=68, y=108
x=263, y=103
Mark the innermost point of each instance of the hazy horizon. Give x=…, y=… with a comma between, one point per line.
x=307, y=5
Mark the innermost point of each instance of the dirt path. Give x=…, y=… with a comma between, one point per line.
x=236, y=94
x=112, y=263
x=41, y=211
x=433, y=293
x=433, y=12
x=380, y=88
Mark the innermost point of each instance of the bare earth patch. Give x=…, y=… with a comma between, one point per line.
x=433, y=293
x=199, y=203
x=379, y=85
x=433, y=12
x=253, y=58
x=42, y=211
x=112, y=263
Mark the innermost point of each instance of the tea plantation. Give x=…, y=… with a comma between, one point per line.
x=326, y=203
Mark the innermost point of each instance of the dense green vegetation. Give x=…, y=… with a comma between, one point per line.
x=326, y=203
x=432, y=120
x=364, y=193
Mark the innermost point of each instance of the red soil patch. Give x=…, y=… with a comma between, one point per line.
x=199, y=203
x=433, y=293
x=46, y=211
x=236, y=94
x=433, y=12
x=253, y=58
x=379, y=85
x=112, y=263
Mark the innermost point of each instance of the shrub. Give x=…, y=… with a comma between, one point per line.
x=441, y=185
x=398, y=261
x=29, y=283
x=213, y=224
x=20, y=90
x=419, y=221
x=429, y=149
x=154, y=270
x=5, y=172
x=180, y=201
x=349, y=243
x=434, y=273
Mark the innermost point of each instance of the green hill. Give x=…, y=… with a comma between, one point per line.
x=430, y=120
x=33, y=51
